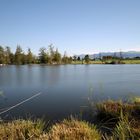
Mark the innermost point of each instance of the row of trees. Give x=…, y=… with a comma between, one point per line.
x=19, y=57
x=53, y=56
x=48, y=55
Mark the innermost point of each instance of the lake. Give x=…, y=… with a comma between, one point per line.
x=64, y=89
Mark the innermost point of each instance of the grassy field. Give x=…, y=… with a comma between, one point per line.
x=115, y=120
x=131, y=61
x=108, y=61
x=90, y=62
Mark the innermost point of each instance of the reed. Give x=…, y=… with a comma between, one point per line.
x=21, y=130
x=74, y=130
x=116, y=120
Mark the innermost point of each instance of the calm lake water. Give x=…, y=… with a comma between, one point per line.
x=65, y=88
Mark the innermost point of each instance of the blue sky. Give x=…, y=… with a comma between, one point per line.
x=75, y=26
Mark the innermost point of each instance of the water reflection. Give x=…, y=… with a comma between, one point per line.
x=64, y=88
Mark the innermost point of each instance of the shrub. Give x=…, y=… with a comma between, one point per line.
x=122, y=130
x=21, y=130
x=123, y=126
x=109, y=110
x=73, y=130
x=113, y=109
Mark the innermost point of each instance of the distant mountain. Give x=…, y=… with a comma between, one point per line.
x=129, y=54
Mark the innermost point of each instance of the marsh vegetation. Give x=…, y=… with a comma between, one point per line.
x=115, y=120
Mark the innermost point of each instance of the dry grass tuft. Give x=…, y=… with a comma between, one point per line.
x=125, y=118
x=21, y=130
x=73, y=130
x=66, y=130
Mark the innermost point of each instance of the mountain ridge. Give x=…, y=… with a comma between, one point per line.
x=127, y=54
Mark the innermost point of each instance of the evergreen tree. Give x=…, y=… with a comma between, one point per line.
x=8, y=55
x=2, y=56
x=52, y=53
x=23, y=58
x=87, y=59
x=70, y=60
x=65, y=58
x=57, y=57
x=43, y=56
x=18, y=56
x=74, y=58
x=30, y=57
x=78, y=58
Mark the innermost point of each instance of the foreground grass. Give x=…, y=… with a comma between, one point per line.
x=121, y=119
x=73, y=130
x=21, y=130
x=66, y=130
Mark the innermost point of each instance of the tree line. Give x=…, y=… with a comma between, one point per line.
x=49, y=55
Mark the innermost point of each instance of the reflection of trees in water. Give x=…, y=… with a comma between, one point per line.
x=3, y=98
x=5, y=76
x=25, y=75
x=18, y=75
x=49, y=75
x=30, y=74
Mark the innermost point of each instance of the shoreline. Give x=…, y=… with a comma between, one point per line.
x=67, y=64
x=112, y=122
x=99, y=62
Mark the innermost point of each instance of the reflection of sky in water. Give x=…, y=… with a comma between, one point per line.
x=64, y=88
x=3, y=99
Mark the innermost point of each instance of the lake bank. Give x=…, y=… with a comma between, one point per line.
x=115, y=120
x=109, y=62
x=124, y=61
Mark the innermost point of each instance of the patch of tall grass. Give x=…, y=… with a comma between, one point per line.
x=73, y=130
x=123, y=130
x=21, y=129
x=125, y=119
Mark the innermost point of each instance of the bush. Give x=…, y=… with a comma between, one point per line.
x=21, y=130
x=113, y=109
x=122, y=130
x=123, y=117
x=109, y=110
x=73, y=130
